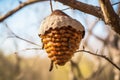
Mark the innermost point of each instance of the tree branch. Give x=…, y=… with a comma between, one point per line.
x=102, y=56
x=93, y=10
x=106, y=12
x=22, y=5
x=110, y=17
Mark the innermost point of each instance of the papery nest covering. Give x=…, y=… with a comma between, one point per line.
x=61, y=36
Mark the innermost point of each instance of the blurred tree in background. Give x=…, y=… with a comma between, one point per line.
x=22, y=59
x=35, y=68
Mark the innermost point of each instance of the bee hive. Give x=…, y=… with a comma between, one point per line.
x=61, y=36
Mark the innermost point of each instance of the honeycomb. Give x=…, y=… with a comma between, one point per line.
x=61, y=36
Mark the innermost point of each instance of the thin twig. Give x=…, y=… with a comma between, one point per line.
x=102, y=56
x=22, y=5
x=16, y=52
x=16, y=36
x=65, y=9
x=51, y=66
x=51, y=6
x=30, y=49
x=115, y=3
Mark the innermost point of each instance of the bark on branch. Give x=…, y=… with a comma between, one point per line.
x=110, y=17
x=93, y=10
x=106, y=12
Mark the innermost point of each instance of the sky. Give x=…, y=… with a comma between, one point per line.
x=26, y=23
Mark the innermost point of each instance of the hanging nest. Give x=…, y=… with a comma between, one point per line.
x=61, y=36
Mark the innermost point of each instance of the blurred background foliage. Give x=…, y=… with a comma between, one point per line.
x=14, y=67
